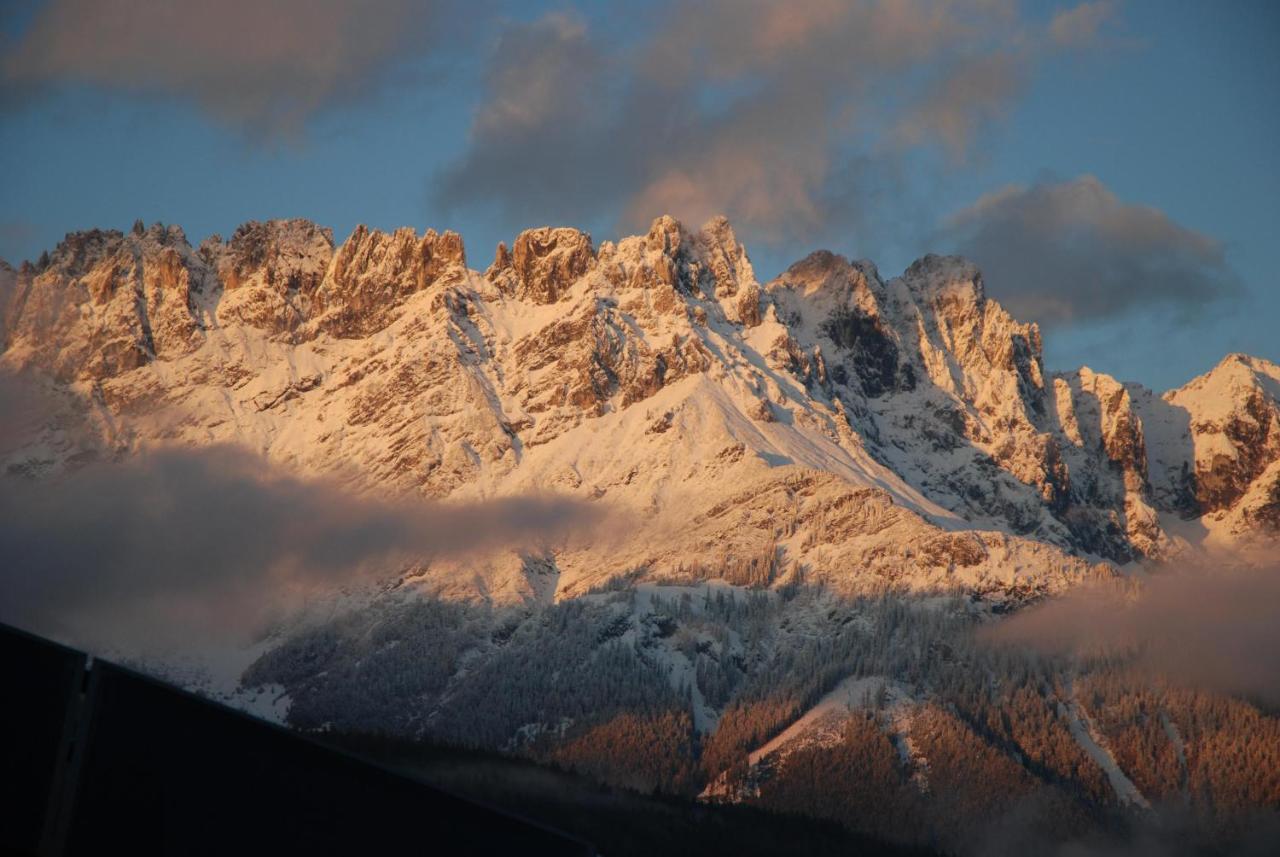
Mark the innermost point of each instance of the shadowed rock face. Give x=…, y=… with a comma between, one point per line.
x=1265, y=515
x=446, y=375
x=872, y=354
x=850, y=300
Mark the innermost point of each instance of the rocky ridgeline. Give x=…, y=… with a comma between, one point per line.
x=433, y=377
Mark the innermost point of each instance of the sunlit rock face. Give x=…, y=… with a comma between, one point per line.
x=104, y=303
x=374, y=272
x=543, y=264
x=1216, y=450
x=269, y=272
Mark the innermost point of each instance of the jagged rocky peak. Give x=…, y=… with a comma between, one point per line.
x=944, y=371
x=102, y=260
x=1233, y=421
x=653, y=274
x=843, y=301
x=969, y=344
x=269, y=271
x=823, y=274
x=825, y=283
x=543, y=263
x=934, y=276
x=278, y=254
x=969, y=347
x=927, y=374
x=735, y=284
x=1095, y=410
x=79, y=252
x=1098, y=428
x=413, y=262
x=649, y=272
x=663, y=260
x=725, y=257
x=501, y=262
x=666, y=236
x=105, y=302
x=373, y=273
x=951, y=290
x=710, y=263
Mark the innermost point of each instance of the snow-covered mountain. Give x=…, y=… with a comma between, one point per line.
x=830, y=423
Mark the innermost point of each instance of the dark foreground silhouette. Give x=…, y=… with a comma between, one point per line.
x=97, y=759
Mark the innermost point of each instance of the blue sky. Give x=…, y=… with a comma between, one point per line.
x=1125, y=153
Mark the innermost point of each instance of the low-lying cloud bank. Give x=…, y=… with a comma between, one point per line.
x=1215, y=629
x=177, y=544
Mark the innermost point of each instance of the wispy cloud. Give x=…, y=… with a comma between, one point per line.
x=1213, y=629
x=771, y=112
x=1080, y=25
x=963, y=100
x=265, y=66
x=1072, y=250
x=181, y=543
x=535, y=141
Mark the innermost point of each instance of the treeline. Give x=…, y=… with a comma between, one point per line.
x=644, y=752
x=1213, y=755
x=757, y=571
x=376, y=669
x=591, y=684
x=969, y=798
x=617, y=820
